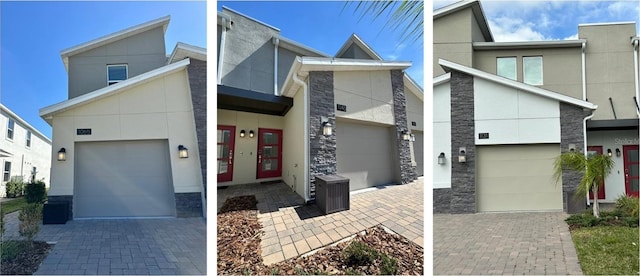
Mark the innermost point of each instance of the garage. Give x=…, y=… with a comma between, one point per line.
x=364, y=154
x=418, y=151
x=123, y=179
x=517, y=178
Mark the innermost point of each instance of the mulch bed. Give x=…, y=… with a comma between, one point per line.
x=239, y=236
x=28, y=261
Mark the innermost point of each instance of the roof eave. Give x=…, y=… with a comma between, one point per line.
x=528, y=44
x=24, y=123
x=47, y=112
x=298, y=47
x=197, y=52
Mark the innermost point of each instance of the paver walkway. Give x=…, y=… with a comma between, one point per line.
x=503, y=243
x=175, y=246
x=291, y=228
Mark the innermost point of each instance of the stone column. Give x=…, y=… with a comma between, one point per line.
x=322, y=158
x=408, y=172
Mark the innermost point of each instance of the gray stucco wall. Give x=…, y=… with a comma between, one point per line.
x=463, y=175
x=322, y=158
x=354, y=52
x=571, y=132
x=197, y=71
x=142, y=53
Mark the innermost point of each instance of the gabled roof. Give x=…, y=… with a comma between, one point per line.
x=47, y=112
x=66, y=53
x=449, y=66
x=478, y=13
x=355, y=39
x=304, y=65
x=23, y=123
x=183, y=50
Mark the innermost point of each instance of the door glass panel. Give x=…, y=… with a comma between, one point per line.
x=226, y=136
x=219, y=136
x=591, y=153
x=634, y=185
x=270, y=138
x=222, y=167
x=633, y=155
x=270, y=151
x=633, y=170
x=223, y=151
x=269, y=165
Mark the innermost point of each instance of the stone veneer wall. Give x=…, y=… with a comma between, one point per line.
x=442, y=201
x=322, y=148
x=408, y=172
x=197, y=71
x=571, y=132
x=63, y=198
x=188, y=205
x=463, y=175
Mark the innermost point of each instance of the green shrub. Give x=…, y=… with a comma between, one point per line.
x=582, y=220
x=632, y=221
x=30, y=218
x=358, y=254
x=15, y=187
x=35, y=192
x=628, y=205
x=389, y=265
x=10, y=249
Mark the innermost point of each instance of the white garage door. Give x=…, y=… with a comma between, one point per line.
x=364, y=154
x=517, y=178
x=123, y=179
x=418, y=151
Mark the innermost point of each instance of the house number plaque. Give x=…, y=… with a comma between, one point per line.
x=83, y=131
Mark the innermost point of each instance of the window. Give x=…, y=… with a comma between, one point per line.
x=28, y=139
x=10, y=127
x=507, y=67
x=116, y=73
x=7, y=171
x=532, y=70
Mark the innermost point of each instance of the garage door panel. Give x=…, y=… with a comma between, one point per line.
x=123, y=179
x=364, y=154
x=517, y=178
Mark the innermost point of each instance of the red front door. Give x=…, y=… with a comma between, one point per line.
x=598, y=150
x=226, y=143
x=269, y=153
x=631, y=168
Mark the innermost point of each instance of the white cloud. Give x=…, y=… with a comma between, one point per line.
x=396, y=52
x=571, y=37
x=513, y=29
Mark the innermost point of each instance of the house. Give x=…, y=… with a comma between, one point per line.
x=25, y=152
x=130, y=140
x=289, y=113
x=503, y=111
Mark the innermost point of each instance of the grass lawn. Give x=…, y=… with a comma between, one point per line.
x=12, y=206
x=607, y=250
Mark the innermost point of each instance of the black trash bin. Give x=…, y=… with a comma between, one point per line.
x=56, y=212
x=575, y=204
x=332, y=193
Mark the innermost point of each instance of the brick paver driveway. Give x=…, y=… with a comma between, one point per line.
x=503, y=243
x=173, y=246
x=292, y=228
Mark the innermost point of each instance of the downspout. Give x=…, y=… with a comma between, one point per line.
x=276, y=42
x=306, y=134
x=635, y=43
x=223, y=36
x=584, y=98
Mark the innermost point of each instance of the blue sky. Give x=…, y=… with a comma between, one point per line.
x=551, y=20
x=325, y=26
x=32, y=35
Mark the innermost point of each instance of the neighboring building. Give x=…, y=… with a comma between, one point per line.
x=287, y=112
x=25, y=152
x=515, y=106
x=131, y=115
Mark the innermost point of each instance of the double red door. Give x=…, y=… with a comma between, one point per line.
x=268, y=158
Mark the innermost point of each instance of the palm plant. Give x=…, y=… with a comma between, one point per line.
x=594, y=168
x=405, y=15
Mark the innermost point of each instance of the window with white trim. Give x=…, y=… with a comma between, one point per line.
x=28, y=139
x=532, y=70
x=10, y=128
x=117, y=73
x=6, y=175
x=506, y=67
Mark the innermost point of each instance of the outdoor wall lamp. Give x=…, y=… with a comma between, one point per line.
x=242, y=133
x=406, y=136
x=413, y=137
x=572, y=147
x=326, y=126
x=62, y=154
x=609, y=152
x=251, y=133
x=462, y=155
x=183, y=152
x=618, y=153
x=441, y=159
